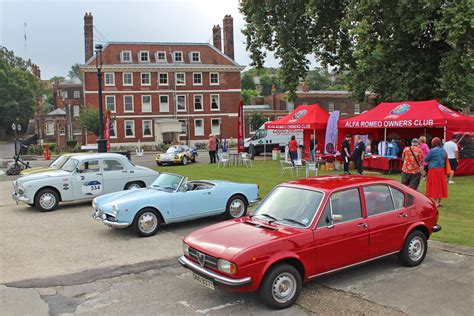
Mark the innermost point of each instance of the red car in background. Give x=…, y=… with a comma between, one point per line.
x=307, y=228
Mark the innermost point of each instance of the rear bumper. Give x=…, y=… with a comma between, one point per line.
x=436, y=228
x=214, y=277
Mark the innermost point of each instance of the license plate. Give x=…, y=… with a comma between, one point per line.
x=203, y=281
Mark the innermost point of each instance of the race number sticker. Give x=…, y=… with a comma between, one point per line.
x=92, y=188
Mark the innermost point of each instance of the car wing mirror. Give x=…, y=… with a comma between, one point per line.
x=337, y=218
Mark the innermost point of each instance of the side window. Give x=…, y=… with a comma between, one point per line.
x=398, y=198
x=112, y=165
x=325, y=219
x=89, y=166
x=347, y=204
x=410, y=200
x=378, y=199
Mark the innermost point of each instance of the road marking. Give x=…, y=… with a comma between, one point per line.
x=184, y=303
x=2, y=173
x=215, y=308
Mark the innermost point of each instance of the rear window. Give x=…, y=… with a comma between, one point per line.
x=378, y=199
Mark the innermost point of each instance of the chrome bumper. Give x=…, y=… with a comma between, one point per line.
x=254, y=202
x=436, y=228
x=210, y=275
x=18, y=198
x=96, y=216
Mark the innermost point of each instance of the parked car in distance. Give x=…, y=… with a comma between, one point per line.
x=54, y=165
x=310, y=227
x=83, y=176
x=177, y=154
x=172, y=198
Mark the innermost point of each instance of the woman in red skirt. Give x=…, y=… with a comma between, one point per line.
x=436, y=186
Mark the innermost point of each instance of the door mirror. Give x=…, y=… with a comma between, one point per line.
x=337, y=218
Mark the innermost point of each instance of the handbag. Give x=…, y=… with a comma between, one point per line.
x=422, y=169
x=447, y=167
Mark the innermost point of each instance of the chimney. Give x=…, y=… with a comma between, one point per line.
x=229, y=36
x=217, y=37
x=88, y=36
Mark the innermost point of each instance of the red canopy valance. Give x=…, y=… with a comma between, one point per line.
x=303, y=117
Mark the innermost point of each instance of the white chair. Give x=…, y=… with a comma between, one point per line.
x=299, y=164
x=286, y=165
x=223, y=159
x=312, y=166
x=244, y=158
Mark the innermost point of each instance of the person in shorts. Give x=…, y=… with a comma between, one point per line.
x=412, y=157
x=451, y=148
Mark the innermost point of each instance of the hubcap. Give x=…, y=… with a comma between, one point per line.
x=416, y=248
x=134, y=186
x=236, y=208
x=47, y=200
x=185, y=160
x=147, y=222
x=284, y=287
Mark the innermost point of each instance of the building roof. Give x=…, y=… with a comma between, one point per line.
x=58, y=111
x=72, y=81
x=253, y=107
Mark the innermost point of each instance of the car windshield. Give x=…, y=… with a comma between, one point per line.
x=167, y=182
x=59, y=162
x=174, y=150
x=70, y=165
x=290, y=206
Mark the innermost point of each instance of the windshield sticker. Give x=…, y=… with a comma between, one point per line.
x=92, y=188
x=305, y=221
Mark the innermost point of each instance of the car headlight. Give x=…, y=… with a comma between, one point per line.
x=94, y=203
x=185, y=249
x=226, y=266
x=176, y=156
x=115, y=210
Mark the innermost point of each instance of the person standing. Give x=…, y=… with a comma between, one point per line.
x=436, y=186
x=425, y=149
x=451, y=148
x=293, y=149
x=346, y=153
x=412, y=157
x=358, y=155
x=313, y=144
x=212, y=148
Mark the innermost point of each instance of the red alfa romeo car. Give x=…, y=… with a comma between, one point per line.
x=307, y=228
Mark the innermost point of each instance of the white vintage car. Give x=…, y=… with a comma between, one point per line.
x=82, y=177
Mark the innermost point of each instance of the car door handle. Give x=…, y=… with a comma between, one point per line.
x=207, y=193
x=403, y=215
x=363, y=225
x=99, y=174
x=124, y=171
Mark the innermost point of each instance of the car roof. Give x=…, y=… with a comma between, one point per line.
x=82, y=156
x=334, y=182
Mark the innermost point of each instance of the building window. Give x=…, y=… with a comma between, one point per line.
x=216, y=126
x=164, y=103
x=178, y=57
x=146, y=128
x=77, y=94
x=357, y=108
x=197, y=78
x=109, y=79
x=181, y=103
x=145, y=78
x=75, y=110
x=127, y=79
x=77, y=131
x=180, y=79
x=64, y=94
x=195, y=57
x=49, y=128
x=214, y=78
x=113, y=130
x=128, y=103
x=126, y=56
x=163, y=78
x=160, y=57
x=198, y=102
x=144, y=56
x=62, y=131
x=110, y=103
x=215, y=102
x=146, y=103
x=330, y=107
x=199, y=127
x=184, y=128
x=129, y=129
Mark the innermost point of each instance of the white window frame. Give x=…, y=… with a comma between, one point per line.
x=77, y=94
x=220, y=122
x=167, y=102
x=64, y=94
x=62, y=131
x=167, y=79
x=185, y=122
x=174, y=57
x=149, y=79
x=161, y=60
x=202, y=126
x=113, y=126
x=123, y=79
x=115, y=103
x=133, y=104
x=356, y=108
x=151, y=103
x=194, y=82
x=218, y=102
x=202, y=102
x=110, y=75
x=77, y=131
x=176, y=78
x=210, y=80
x=129, y=54
x=199, y=57
x=140, y=56
x=331, y=107
x=151, y=128
x=125, y=128
x=76, y=110
x=50, y=128
x=185, y=101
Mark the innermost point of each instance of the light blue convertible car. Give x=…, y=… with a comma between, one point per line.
x=172, y=198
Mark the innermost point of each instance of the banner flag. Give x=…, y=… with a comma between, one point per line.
x=240, y=132
x=331, y=133
x=107, y=129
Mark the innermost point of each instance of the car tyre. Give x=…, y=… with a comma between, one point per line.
x=147, y=222
x=185, y=160
x=134, y=185
x=46, y=200
x=414, y=249
x=236, y=207
x=281, y=286
x=158, y=163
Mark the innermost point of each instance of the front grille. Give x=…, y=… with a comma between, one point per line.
x=209, y=261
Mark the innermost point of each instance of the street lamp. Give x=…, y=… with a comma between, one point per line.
x=101, y=142
x=16, y=129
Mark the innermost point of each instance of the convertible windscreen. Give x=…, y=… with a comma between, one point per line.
x=174, y=150
x=167, y=181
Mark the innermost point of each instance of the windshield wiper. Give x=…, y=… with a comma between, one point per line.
x=269, y=216
x=292, y=221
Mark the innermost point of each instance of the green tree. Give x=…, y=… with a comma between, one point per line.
x=247, y=95
x=75, y=71
x=246, y=82
x=89, y=119
x=317, y=79
x=59, y=78
x=257, y=119
x=266, y=84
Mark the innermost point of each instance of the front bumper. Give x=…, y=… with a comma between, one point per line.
x=99, y=217
x=254, y=202
x=212, y=276
x=19, y=198
x=436, y=228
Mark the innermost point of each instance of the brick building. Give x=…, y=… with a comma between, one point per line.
x=166, y=92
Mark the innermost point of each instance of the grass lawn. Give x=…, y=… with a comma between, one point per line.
x=456, y=214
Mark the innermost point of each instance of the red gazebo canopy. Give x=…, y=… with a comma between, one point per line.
x=303, y=117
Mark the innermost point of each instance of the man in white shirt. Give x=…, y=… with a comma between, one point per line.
x=451, y=148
